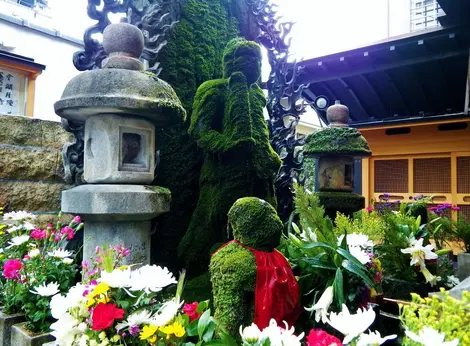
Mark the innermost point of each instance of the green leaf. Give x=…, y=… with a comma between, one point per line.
x=346, y=254
x=338, y=287
x=227, y=339
x=215, y=343
x=203, y=322
x=316, y=263
x=191, y=329
x=209, y=332
x=358, y=271
x=318, y=244
x=202, y=306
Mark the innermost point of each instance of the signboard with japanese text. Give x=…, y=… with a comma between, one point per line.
x=11, y=92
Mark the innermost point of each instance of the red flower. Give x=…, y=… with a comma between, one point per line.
x=319, y=337
x=104, y=315
x=11, y=269
x=370, y=209
x=190, y=310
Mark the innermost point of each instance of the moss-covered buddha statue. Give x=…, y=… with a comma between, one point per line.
x=336, y=147
x=251, y=281
x=229, y=127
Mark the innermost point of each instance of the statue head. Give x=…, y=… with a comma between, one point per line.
x=243, y=56
x=255, y=223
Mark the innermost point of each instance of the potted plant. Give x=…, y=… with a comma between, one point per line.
x=35, y=267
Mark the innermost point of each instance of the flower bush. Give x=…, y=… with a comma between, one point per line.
x=128, y=305
x=36, y=266
x=437, y=320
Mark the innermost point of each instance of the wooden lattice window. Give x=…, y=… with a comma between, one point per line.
x=432, y=175
x=391, y=176
x=465, y=210
x=463, y=174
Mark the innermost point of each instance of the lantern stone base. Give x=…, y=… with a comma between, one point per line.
x=346, y=203
x=117, y=215
x=6, y=324
x=21, y=336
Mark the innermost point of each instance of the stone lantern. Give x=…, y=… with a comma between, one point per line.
x=336, y=148
x=121, y=106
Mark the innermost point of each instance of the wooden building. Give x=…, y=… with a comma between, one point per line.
x=409, y=96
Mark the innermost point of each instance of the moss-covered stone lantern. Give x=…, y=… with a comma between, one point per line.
x=336, y=148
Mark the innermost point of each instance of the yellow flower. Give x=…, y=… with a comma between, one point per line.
x=174, y=328
x=100, y=289
x=90, y=302
x=148, y=331
x=153, y=339
x=115, y=338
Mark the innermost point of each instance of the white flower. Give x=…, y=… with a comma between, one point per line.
x=135, y=319
x=357, y=239
x=419, y=253
x=46, y=290
x=34, y=253
x=117, y=278
x=166, y=313
x=28, y=226
x=322, y=305
x=452, y=281
x=14, y=229
x=151, y=278
x=432, y=279
x=65, y=329
x=60, y=253
x=16, y=241
x=430, y=337
x=373, y=339
x=18, y=216
x=280, y=336
x=361, y=255
x=308, y=236
x=67, y=260
x=351, y=326
x=58, y=305
x=250, y=334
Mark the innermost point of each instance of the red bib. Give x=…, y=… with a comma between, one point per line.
x=277, y=291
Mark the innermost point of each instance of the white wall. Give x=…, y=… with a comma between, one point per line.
x=53, y=52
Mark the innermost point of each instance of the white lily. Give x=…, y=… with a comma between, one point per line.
x=46, y=290
x=419, y=253
x=250, y=334
x=373, y=339
x=430, y=278
x=431, y=337
x=351, y=326
x=322, y=305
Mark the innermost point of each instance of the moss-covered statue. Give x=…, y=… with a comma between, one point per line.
x=251, y=281
x=229, y=126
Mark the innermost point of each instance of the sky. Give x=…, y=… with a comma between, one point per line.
x=322, y=26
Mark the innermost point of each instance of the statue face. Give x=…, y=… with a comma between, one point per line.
x=245, y=57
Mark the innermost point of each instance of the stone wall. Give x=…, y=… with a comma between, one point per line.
x=31, y=164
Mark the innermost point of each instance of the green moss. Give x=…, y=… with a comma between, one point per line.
x=337, y=140
x=229, y=126
x=255, y=223
x=192, y=56
x=233, y=277
x=346, y=203
x=198, y=289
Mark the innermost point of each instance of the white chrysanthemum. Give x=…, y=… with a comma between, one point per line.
x=166, y=313
x=419, y=253
x=58, y=305
x=34, y=253
x=360, y=254
x=65, y=329
x=136, y=319
x=250, y=334
x=60, y=253
x=117, y=278
x=281, y=336
x=17, y=241
x=151, y=278
x=373, y=339
x=322, y=305
x=351, y=326
x=357, y=239
x=46, y=290
x=18, y=216
x=431, y=337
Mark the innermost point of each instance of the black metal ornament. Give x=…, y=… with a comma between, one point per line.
x=285, y=102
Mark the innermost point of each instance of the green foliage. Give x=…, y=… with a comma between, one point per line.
x=370, y=224
x=233, y=277
x=442, y=313
x=462, y=231
x=315, y=254
x=343, y=202
x=336, y=141
x=192, y=56
x=229, y=126
x=309, y=173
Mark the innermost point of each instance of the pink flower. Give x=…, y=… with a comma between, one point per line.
x=370, y=209
x=11, y=269
x=38, y=234
x=318, y=337
x=77, y=219
x=190, y=310
x=26, y=257
x=69, y=231
x=455, y=208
